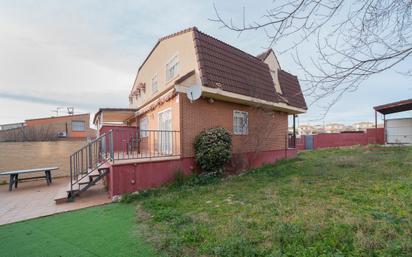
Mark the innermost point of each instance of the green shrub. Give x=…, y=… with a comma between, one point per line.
x=213, y=149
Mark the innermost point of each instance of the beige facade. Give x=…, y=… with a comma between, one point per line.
x=182, y=47
x=274, y=67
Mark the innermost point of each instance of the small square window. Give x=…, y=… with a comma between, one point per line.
x=240, y=123
x=78, y=125
x=144, y=126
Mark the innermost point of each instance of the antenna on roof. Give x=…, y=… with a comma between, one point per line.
x=194, y=92
x=70, y=110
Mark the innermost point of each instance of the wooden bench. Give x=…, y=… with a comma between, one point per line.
x=14, y=175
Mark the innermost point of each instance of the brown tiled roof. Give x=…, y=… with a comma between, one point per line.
x=233, y=70
x=236, y=71
x=225, y=66
x=291, y=89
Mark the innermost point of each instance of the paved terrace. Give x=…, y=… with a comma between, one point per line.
x=35, y=199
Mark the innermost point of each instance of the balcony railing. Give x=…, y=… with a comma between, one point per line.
x=291, y=139
x=90, y=157
x=124, y=143
x=138, y=144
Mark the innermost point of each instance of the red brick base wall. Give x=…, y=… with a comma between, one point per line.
x=124, y=178
x=371, y=136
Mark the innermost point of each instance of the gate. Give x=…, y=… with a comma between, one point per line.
x=309, y=142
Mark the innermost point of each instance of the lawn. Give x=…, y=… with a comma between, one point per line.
x=108, y=230
x=342, y=202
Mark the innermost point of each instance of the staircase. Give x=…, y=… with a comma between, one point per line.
x=86, y=182
x=88, y=165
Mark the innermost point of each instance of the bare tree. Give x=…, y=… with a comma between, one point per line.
x=261, y=136
x=38, y=133
x=353, y=40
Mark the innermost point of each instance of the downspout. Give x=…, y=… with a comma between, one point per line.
x=181, y=129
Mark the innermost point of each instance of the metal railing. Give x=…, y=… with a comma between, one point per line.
x=91, y=157
x=139, y=144
x=291, y=140
x=122, y=144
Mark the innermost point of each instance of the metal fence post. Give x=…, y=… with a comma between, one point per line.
x=111, y=145
x=71, y=174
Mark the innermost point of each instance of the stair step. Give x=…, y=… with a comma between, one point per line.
x=83, y=182
x=87, y=181
x=61, y=196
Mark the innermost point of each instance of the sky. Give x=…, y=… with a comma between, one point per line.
x=86, y=54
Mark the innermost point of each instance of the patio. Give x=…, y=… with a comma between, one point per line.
x=35, y=199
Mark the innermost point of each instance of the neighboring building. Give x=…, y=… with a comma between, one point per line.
x=51, y=128
x=250, y=96
x=396, y=130
x=305, y=129
x=4, y=127
x=363, y=125
x=334, y=128
x=68, y=126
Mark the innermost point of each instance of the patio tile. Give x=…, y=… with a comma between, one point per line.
x=35, y=199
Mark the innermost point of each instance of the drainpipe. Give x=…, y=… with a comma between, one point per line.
x=294, y=131
x=384, y=129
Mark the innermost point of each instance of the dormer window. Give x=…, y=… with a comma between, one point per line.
x=154, y=84
x=172, y=68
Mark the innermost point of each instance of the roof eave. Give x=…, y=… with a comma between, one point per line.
x=223, y=95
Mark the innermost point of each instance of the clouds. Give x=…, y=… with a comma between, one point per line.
x=86, y=53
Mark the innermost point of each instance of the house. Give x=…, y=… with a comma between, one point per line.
x=396, y=130
x=251, y=96
x=11, y=126
x=68, y=127
x=334, y=128
x=363, y=125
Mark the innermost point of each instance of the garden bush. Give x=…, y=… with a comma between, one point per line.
x=213, y=149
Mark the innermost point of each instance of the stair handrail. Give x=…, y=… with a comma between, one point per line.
x=91, y=156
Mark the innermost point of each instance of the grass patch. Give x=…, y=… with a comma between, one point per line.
x=336, y=202
x=108, y=230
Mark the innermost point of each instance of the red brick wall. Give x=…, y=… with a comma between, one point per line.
x=371, y=136
x=121, y=135
x=131, y=177
x=376, y=136
x=60, y=124
x=267, y=129
x=339, y=139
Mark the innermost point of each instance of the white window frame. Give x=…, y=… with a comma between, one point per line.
x=165, y=141
x=173, y=62
x=78, y=121
x=244, y=130
x=143, y=121
x=155, y=89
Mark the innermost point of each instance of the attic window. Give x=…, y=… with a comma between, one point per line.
x=154, y=84
x=172, y=68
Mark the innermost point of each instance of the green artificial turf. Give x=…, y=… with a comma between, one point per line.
x=337, y=202
x=108, y=230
